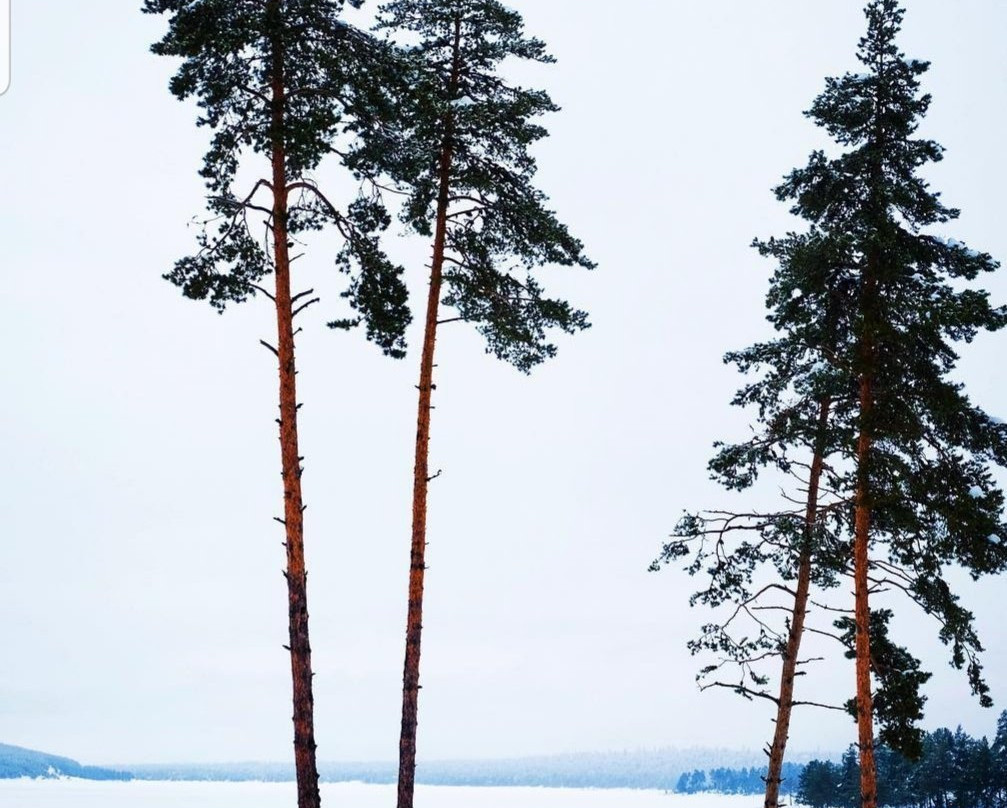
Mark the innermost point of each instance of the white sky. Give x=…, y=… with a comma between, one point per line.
x=142, y=610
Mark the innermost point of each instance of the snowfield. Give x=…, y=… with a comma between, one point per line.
x=145, y=794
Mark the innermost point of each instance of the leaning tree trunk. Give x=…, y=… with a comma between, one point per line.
x=421, y=472
x=293, y=507
x=785, y=704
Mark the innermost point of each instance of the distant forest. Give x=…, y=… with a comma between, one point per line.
x=645, y=769
x=738, y=781
x=955, y=770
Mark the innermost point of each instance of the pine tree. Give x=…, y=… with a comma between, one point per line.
x=998, y=750
x=921, y=484
x=954, y=771
x=897, y=698
x=277, y=81
x=818, y=785
x=459, y=150
x=803, y=409
x=868, y=314
x=795, y=400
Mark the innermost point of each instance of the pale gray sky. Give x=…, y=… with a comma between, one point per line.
x=142, y=610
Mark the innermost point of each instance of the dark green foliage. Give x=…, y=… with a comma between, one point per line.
x=819, y=784
x=865, y=292
x=932, y=497
x=232, y=52
x=848, y=784
x=499, y=228
x=897, y=700
x=824, y=784
x=954, y=771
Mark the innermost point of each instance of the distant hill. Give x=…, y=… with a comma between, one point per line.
x=647, y=769
x=18, y=762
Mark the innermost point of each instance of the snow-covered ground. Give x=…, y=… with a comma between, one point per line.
x=144, y=794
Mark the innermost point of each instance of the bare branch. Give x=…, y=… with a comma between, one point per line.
x=742, y=690
x=817, y=704
x=303, y=306
x=258, y=288
x=835, y=637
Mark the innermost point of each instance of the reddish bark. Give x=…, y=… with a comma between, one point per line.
x=421, y=472
x=293, y=508
x=785, y=704
x=862, y=508
x=862, y=523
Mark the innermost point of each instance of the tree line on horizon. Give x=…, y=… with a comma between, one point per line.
x=746, y=780
x=953, y=770
x=891, y=466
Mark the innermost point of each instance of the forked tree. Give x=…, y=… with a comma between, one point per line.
x=278, y=81
x=460, y=152
x=908, y=456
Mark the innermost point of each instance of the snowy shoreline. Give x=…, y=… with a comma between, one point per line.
x=78, y=793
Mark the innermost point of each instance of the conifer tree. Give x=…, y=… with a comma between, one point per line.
x=277, y=81
x=998, y=750
x=868, y=318
x=796, y=399
x=818, y=785
x=801, y=409
x=922, y=490
x=460, y=151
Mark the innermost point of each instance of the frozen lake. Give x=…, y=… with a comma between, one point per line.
x=146, y=794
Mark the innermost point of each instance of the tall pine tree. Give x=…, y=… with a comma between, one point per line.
x=761, y=564
x=460, y=150
x=923, y=495
x=277, y=81
x=869, y=306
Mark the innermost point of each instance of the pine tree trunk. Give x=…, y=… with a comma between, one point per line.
x=862, y=511
x=293, y=508
x=421, y=470
x=862, y=522
x=774, y=776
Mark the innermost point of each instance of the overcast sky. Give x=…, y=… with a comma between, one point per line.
x=142, y=609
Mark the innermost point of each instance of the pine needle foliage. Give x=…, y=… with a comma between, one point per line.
x=928, y=473
x=499, y=226
x=277, y=82
x=332, y=75
x=458, y=151
x=870, y=303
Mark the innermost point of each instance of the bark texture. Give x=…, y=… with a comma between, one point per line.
x=862, y=497
x=293, y=507
x=862, y=523
x=421, y=469
x=785, y=704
